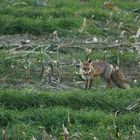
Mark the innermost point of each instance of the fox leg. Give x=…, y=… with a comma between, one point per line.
x=109, y=83
x=90, y=83
x=86, y=84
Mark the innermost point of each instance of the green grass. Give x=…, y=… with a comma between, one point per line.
x=99, y=99
x=91, y=112
x=25, y=113
x=62, y=15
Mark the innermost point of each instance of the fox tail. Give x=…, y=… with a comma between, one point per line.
x=119, y=79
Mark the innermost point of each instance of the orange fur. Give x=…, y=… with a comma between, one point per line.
x=90, y=69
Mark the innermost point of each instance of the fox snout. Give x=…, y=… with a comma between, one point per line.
x=87, y=72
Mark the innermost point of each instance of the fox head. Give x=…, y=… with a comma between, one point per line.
x=86, y=67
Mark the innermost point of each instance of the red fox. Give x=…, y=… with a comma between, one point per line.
x=107, y=71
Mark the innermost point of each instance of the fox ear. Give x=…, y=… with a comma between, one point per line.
x=89, y=60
